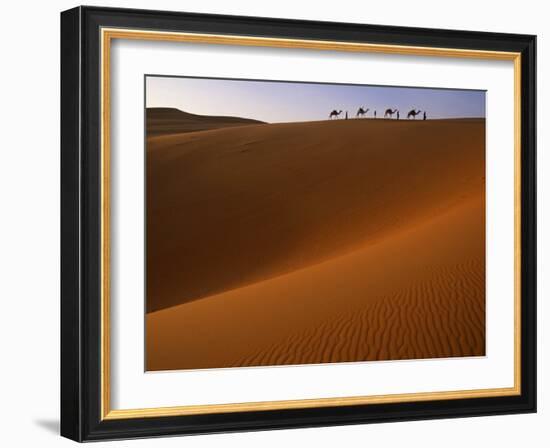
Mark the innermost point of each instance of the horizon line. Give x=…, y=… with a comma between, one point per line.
x=458, y=117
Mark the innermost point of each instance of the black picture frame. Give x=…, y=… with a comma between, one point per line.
x=81, y=224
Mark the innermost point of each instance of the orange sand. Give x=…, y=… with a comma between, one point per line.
x=315, y=242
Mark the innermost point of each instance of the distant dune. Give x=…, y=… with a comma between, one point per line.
x=316, y=242
x=164, y=120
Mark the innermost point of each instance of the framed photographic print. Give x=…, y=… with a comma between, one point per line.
x=273, y=223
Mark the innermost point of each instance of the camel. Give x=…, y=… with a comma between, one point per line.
x=413, y=113
x=389, y=112
x=362, y=112
x=335, y=114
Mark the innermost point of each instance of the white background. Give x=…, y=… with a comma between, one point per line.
x=29, y=229
x=132, y=388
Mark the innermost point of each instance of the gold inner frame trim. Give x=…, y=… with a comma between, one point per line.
x=107, y=35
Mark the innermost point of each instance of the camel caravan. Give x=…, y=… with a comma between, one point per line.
x=362, y=112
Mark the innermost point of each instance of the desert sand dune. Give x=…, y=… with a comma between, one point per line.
x=165, y=120
x=315, y=242
x=419, y=293
x=231, y=207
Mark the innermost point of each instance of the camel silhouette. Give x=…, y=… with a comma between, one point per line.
x=413, y=113
x=361, y=112
x=389, y=112
x=334, y=114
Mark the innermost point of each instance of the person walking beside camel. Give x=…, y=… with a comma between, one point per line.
x=424, y=116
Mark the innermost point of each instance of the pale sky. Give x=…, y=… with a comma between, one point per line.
x=279, y=101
